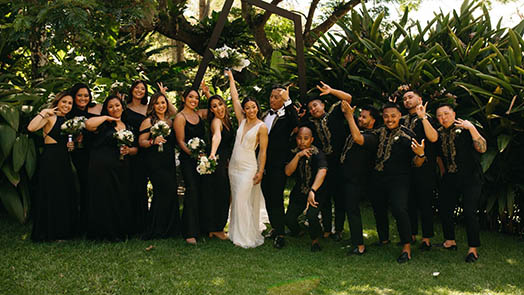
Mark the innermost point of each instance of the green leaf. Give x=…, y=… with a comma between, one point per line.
x=10, y=115
x=11, y=201
x=375, y=28
x=20, y=151
x=7, y=138
x=24, y=189
x=30, y=160
x=11, y=175
x=503, y=140
x=487, y=159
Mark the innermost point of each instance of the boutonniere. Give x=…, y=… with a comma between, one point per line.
x=458, y=131
x=281, y=112
x=396, y=138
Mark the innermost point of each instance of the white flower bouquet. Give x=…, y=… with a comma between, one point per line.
x=124, y=137
x=206, y=165
x=229, y=58
x=196, y=146
x=73, y=127
x=160, y=129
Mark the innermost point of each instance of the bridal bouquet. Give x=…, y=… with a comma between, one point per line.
x=196, y=146
x=226, y=57
x=124, y=137
x=160, y=129
x=206, y=165
x=73, y=127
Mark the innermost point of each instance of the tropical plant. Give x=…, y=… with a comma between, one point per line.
x=458, y=53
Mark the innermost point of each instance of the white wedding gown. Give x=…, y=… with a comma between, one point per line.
x=248, y=212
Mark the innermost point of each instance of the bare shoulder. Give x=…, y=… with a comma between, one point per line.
x=145, y=124
x=262, y=128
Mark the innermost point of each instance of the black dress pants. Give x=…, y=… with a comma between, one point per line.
x=420, y=201
x=273, y=184
x=334, y=185
x=297, y=204
x=470, y=188
x=392, y=191
x=353, y=195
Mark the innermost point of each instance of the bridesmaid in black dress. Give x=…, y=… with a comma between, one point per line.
x=164, y=217
x=188, y=124
x=134, y=114
x=218, y=191
x=54, y=207
x=109, y=208
x=83, y=106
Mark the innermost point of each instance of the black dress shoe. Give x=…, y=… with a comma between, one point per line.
x=425, y=247
x=279, y=242
x=337, y=237
x=271, y=234
x=404, y=257
x=315, y=247
x=471, y=258
x=452, y=247
x=356, y=251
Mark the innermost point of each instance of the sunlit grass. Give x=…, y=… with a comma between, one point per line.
x=218, y=267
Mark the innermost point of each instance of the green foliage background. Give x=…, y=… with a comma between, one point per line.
x=47, y=46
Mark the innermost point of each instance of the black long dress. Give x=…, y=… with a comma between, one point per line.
x=54, y=207
x=191, y=217
x=80, y=157
x=109, y=209
x=139, y=202
x=217, y=189
x=164, y=215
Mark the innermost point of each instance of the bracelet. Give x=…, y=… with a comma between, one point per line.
x=41, y=115
x=313, y=190
x=421, y=156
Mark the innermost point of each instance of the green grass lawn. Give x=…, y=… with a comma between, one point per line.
x=218, y=267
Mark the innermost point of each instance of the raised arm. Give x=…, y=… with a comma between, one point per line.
x=479, y=143
x=216, y=126
x=171, y=109
x=262, y=153
x=93, y=123
x=353, y=127
x=291, y=167
x=326, y=89
x=179, y=126
x=237, y=106
x=41, y=119
x=429, y=130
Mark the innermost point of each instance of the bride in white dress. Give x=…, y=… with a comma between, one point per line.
x=245, y=173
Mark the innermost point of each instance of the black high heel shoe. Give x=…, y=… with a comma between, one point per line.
x=404, y=257
x=471, y=257
x=452, y=247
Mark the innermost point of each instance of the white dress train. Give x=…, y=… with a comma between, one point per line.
x=248, y=211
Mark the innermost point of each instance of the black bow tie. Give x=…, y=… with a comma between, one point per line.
x=271, y=112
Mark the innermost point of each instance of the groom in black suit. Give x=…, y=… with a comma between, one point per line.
x=280, y=120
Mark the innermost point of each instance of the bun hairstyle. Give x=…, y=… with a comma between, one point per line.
x=248, y=99
x=130, y=96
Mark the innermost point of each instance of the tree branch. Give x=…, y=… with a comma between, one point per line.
x=310, y=15
x=310, y=37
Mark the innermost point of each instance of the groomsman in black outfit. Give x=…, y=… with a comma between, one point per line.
x=357, y=159
x=460, y=145
x=330, y=132
x=309, y=165
x=423, y=181
x=397, y=151
x=280, y=120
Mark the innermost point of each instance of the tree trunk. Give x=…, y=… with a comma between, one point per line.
x=203, y=9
